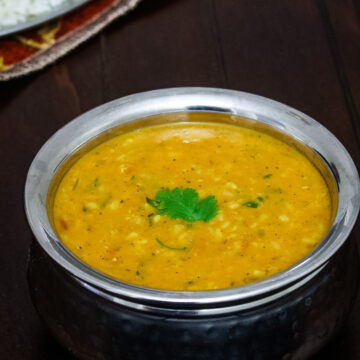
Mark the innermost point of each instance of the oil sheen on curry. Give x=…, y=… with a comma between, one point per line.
x=197, y=206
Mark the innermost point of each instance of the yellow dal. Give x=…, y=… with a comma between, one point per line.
x=101, y=214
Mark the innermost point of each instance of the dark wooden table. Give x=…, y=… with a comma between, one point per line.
x=304, y=53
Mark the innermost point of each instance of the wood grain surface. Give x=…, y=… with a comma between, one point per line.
x=304, y=53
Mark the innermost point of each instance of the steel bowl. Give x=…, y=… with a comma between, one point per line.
x=287, y=316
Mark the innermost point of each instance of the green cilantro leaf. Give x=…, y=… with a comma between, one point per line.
x=254, y=203
x=251, y=204
x=267, y=176
x=184, y=204
x=169, y=247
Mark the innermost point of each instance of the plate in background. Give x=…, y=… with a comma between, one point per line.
x=44, y=17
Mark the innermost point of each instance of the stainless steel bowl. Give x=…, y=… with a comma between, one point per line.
x=318, y=276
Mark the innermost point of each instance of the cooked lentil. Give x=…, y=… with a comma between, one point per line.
x=274, y=207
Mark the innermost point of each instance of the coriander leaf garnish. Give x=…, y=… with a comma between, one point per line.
x=184, y=204
x=251, y=204
x=254, y=203
x=153, y=203
x=169, y=247
x=267, y=176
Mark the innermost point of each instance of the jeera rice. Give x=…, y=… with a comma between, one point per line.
x=13, y=12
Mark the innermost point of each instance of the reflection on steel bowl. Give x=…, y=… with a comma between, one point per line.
x=98, y=317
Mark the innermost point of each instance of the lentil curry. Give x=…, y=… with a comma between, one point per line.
x=195, y=206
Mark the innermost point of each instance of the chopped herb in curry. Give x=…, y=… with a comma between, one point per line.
x=184, y=204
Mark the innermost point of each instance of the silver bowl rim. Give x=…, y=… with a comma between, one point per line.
x=73, y=135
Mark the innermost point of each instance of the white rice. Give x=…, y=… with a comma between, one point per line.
x=13, y=12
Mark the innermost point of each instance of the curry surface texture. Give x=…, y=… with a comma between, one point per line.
x=274, y=207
